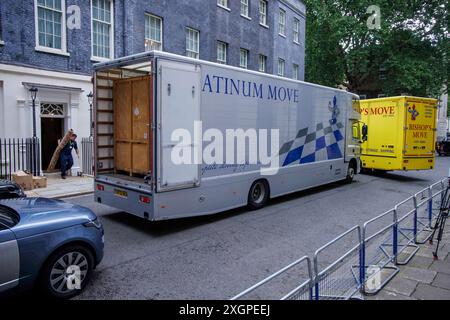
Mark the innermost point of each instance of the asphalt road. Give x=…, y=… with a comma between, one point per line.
x=217, y=257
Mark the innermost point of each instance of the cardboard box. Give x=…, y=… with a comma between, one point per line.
x=39, y=182
x=23, y=179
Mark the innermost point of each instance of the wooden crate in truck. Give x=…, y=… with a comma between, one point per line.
x=132, y=125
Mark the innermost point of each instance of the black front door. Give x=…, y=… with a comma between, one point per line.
x=52, y=129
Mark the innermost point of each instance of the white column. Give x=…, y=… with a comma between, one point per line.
x=73, y=110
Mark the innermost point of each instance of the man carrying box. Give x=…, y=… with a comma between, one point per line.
x=66, y=158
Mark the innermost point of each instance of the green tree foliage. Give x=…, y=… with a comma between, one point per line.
x=408, y=53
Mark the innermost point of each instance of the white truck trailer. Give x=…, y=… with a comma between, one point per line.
x=254, y=136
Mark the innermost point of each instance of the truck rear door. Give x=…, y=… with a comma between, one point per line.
x=384, y=122
x=178, y=112
x=420, y=130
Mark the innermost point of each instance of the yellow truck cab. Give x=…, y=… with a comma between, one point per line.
x=401, y=133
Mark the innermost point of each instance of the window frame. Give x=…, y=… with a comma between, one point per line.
x=223, y=6
x=198, y=43
x=282, y=26
x=111, y=35
x=295, y=71
x=225, y=46
x=296, y=29
x=38, y=46
x=247, y=5
x=281, y=62
x=266, y=5
x=247, y=53
x=161, y=32
x=260, y=60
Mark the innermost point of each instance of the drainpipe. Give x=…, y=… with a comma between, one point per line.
x=125, y=28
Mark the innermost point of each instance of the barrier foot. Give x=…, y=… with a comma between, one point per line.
x=389, y=272
x=426, y=239
x=409, y=256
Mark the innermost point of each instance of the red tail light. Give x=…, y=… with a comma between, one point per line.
x=145, y=199
x=100, y=187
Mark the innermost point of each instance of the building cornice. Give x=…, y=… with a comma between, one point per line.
x=43, y=72
x=293, y=7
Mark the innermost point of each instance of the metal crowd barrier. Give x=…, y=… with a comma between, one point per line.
x=436, y=193
x=384, y=242
x=406, y=230
x=304, y=290
x=423, y=222
x=341, y=279
x=379, y=251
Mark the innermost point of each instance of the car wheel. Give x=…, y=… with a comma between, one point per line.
x=351, y=172
x=258, y=195
x=67, y=272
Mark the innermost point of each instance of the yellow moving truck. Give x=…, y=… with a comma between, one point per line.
x=401, y=133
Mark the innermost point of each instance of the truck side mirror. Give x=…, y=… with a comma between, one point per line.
x=365, y=132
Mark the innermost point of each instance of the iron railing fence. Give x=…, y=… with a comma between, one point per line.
x=87, y=156
x=19, y=154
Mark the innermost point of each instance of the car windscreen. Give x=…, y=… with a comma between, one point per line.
x=8, y=216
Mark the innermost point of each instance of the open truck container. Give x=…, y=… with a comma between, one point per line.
x=402, y=133
x=140, y=101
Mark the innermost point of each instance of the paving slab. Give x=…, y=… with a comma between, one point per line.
x=428, y=292
x=426, y=252
x=441, y=266
x=388, y=295
x=420, y=262
x=59, y=188
x=417, y=274
x=402, y=286
x=442, y=280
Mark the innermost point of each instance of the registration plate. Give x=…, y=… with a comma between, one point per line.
x=121, y=193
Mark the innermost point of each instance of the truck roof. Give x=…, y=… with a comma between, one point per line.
x=410, y=98
x=147, y=56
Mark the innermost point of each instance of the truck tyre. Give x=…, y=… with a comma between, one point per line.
x=351, y=172
x=258, y=195
x=53, y=277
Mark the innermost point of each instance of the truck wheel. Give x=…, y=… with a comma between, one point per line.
x=53, y=281
x=351, y=172
x=258, y=195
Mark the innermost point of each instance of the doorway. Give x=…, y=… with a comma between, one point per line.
x=52, y=129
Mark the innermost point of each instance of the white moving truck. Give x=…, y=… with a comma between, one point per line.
x=253, y=136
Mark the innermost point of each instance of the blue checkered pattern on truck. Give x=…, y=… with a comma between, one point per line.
x=324, y=143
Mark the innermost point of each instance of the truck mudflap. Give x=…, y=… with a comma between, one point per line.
x=134, y=201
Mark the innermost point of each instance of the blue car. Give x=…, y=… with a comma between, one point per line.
x=49, y=245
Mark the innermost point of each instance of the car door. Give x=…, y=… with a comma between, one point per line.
x=9, y=259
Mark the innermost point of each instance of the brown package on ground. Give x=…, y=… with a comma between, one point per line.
x=39, y=182
x=23, y=179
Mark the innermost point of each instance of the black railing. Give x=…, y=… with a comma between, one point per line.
x=19, y=154
x=87, y=156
